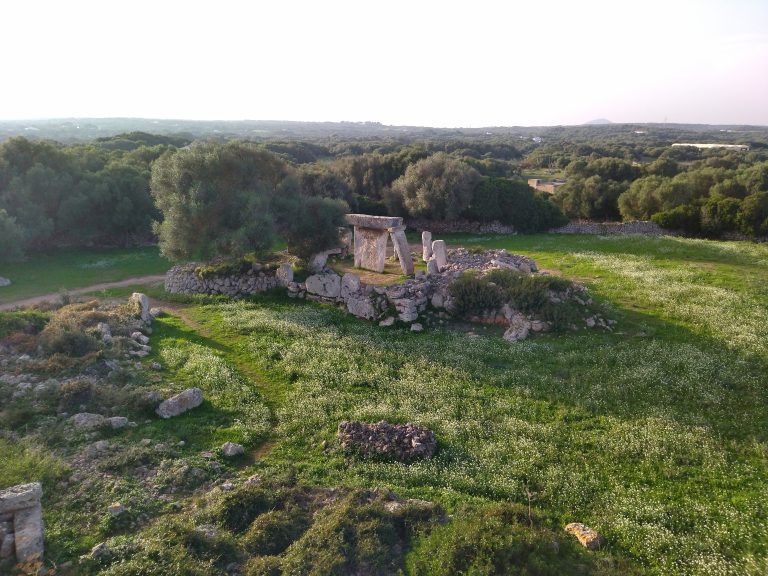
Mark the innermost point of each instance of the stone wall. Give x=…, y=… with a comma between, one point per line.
x=643, y=228
x=184, y=279
x=459, y=227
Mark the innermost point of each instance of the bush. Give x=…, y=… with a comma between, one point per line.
x=473, y=294
x=685, y=218
x=27, y=321
x=526, y=292
x=72, y=343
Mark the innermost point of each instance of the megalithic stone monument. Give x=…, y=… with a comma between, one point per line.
x=21, y=522
x=426, y=245
x=371, y=235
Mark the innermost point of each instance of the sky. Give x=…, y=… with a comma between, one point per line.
x=446, y=64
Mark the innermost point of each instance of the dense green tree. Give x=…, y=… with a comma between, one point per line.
x=313, y=225
x=720, y=214
x=685, y=218
x=753, y=217
x=642, y=199
x=591, y=198
x=438, y=187
x=11, y=238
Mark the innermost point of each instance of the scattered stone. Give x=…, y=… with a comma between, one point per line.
x=227, y=486
x=156, y=312
x=100, y=552
x=402, y=442
x=519, y=326
x=117, y=422
x=106, y=332
x=590, y=322
x=587, y=537
x=232, y=449
x=388, y=321
x=253, y=480
x=139, y=337
x=101, y=445
x=87, y=420
x=4, y=282
x=156, y=366
x=115, y=509
x=416, y=327
x=180, y=403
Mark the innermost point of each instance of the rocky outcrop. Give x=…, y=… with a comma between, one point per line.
x=180, y=403
x=401, y=442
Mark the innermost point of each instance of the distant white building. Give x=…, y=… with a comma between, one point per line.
x=739, y=147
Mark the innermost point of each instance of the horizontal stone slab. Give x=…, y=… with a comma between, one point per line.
x=376, y=222
x=21, y=496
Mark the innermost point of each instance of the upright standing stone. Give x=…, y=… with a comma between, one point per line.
x=426, y=246
x=432, y=268
x=438, y=250
x=402, y=250
x=22, y=503
x=285, y=274
x=371, y=248
x=142, y=302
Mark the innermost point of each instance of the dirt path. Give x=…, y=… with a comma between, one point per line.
x=85, y=290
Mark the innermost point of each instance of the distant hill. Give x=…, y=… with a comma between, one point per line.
x=598, y=121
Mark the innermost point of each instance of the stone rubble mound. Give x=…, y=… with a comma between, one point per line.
x=401, y=442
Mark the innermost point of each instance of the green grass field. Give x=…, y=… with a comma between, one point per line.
x=75, y=269
x=655, y=434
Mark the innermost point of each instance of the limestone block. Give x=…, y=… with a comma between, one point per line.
x=586, y=536
x=377, y=222
x=142, y=302
x=325, y=285
x=232, y=449
x=402, y=250
x=350, y=284
x=438, y=250
x=28, y=533
x=7, y=545
x=21, y=496
x=87, y=420
x=426, y=246
x=180, y=403
x=284, y=274
x=362, y=307
x=371, y=248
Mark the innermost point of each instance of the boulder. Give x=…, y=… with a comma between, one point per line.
x=519, y=327
x=117, y=422
x=4, y=281
x=416, y=327
x=139, y=337
x=324, y=285
x=232, y=449
x=586, y=536
x=350, y=284
x=141, y=302
x=87, y=420
x=388, y=321
x=180, y=403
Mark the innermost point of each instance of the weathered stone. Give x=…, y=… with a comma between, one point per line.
x=426, y=246
x=7, y=546
x=117, y=422
x=139, y=337
x=402, y=250
x=106, y=332
x=100, y=551
x=432, y=267
x=325, y=285
x=362, y=307
x=586, y=536
x=142, y=303
x=28, y=533
x=232, y=449
x=519, y=326
x=87, y=420
x=437, y=300
x=284, y=274
x=116, y=508
x=350, y=284
x=20, y=496
x=416, y=327
x=180, y=403
x=375, y=222
x=439, y=253
x=402, y=442
x=388, y=321
x=317, y=261
x=371, y=248
x=155, y=312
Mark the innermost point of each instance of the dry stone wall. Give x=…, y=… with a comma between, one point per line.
x=460, y=226
x=185, y=279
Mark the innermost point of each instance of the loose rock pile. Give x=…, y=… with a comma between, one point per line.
x=401, y=442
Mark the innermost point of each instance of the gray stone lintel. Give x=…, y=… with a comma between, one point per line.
x=376, y=222
x=21, y=496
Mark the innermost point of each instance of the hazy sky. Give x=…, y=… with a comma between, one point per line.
x=467, y=63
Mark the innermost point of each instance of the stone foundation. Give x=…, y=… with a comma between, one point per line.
x=184, y=279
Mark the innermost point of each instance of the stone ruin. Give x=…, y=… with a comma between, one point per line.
x=370, y=239
x=400, y=442
x=21, y=523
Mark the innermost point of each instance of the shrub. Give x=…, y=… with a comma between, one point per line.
x=753, y=217
x=73, y=343
x=473, y=294
x=526, y=292
x=720, y=215
x=27, y=321
x=264, y=566
x=685, y=218
x=236, y=510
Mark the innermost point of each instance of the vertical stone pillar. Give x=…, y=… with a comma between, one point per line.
x=371, y=248
x=439, y=253
x=426, y=246
x=402, y=250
